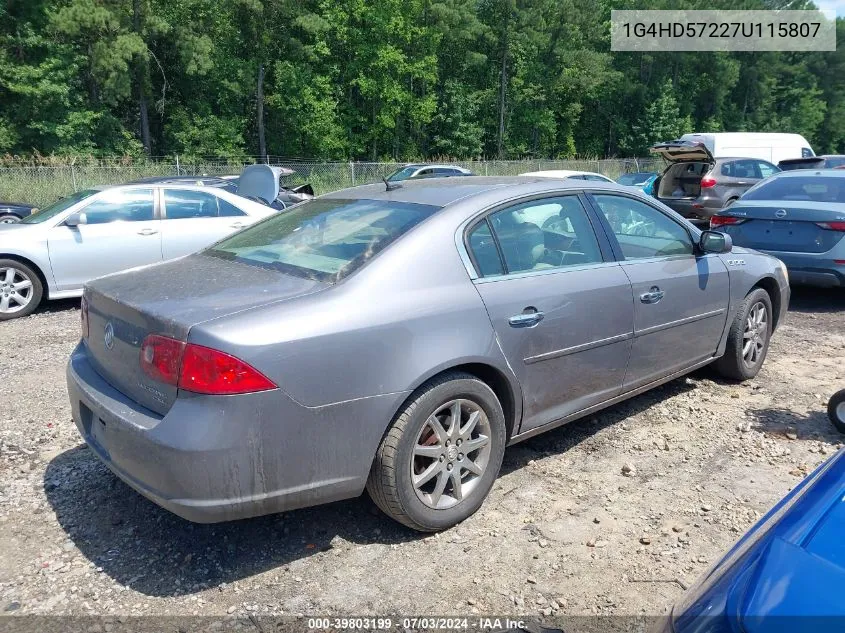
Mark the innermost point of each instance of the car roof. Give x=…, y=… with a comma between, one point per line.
x=444, y=191
x=804, y=173
x=561, y=173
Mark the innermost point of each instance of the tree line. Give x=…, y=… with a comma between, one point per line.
x=384, y=80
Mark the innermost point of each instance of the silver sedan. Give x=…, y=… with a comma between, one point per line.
x=398, y=338
x=94, y=232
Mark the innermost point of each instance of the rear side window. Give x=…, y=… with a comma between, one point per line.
x=484, y=251
x=324, y=239
x=128, y=205
x=642, y=230
x=227, y=210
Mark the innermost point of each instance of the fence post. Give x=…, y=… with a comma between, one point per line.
x=178, y=169
x=485, y=168
x=73, y=177
x=352, y=172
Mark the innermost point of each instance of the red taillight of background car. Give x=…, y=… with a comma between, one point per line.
x=708, y=181
x=199, y=369
x=724, y=220
x=83, y=318
x=161, y=358
x=832, y=226
x=208, y=371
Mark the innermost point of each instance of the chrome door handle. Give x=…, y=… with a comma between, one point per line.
x=654, y=295
x=742, y=183
x=526, y=319
x=237, y=225
x=147, y=232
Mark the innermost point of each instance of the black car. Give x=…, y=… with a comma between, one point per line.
x=828, y=161
x=11, y=212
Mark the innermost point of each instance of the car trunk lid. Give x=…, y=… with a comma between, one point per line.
x=683, y=152
x=169, y=299
x=785, y=226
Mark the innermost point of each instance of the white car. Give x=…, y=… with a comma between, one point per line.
x=95, y=232
x=568, y=173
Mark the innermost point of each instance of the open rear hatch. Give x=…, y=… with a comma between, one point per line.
x=683, y=151
x=169, y=299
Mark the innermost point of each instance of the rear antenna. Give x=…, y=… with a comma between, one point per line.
x=391, y=186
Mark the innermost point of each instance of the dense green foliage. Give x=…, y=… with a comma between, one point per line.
x=384, y=79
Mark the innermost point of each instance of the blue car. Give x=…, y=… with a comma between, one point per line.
x=785, y=575
x=642, y=180
x=797, y=216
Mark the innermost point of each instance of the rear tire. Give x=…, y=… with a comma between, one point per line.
x=836, y=410
x=748, y=338
x=20, y=289
x=430, y=472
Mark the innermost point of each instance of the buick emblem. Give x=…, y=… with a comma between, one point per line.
x=780, y=213
x=108, y=336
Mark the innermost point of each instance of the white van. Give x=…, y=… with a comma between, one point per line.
x=771, y=146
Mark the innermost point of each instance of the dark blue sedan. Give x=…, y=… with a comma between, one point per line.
x=797, y=216
x=785, y=575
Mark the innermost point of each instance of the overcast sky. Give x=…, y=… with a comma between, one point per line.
x=837, y=5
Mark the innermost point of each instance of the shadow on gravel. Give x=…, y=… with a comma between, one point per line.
x=815, y=425
x=570, y=435
x=59, y=305
x=806, y=299
x=158, y=554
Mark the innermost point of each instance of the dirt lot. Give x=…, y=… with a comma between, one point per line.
x=564, y=531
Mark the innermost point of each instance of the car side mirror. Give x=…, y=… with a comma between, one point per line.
x=76, y=219
x=715, y=242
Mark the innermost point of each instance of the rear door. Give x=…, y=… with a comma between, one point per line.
x=561, y=308
x=123, y=230
x=194, y=219
x=680, y=298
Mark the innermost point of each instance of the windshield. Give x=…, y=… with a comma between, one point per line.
x=58, y=206
x=324, y=240
x=402, y=174
x=634, y=179
x=812, y=188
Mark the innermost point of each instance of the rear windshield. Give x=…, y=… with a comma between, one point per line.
x=323, y=239
x=812, y=188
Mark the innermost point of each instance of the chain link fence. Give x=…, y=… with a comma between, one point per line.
x=41, y=185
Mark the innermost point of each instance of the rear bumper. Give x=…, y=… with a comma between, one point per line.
x=220, y=458
x=813, y=270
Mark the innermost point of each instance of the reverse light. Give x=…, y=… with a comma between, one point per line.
x=83, y=318
x=199, y=369
x=708, y=181
x=832, y=226
x=724, y=220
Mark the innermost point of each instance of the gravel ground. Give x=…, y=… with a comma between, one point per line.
x=615, y=514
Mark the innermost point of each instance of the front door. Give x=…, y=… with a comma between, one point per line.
x=680, y=298
x=121, y=231
x=563, y=314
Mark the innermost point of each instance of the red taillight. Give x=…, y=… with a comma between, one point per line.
x=199, y=369
x=161, y=358
x=206, y=370
x=832, y=226
x=723, y=220
x=83, y=318
x=708, y=181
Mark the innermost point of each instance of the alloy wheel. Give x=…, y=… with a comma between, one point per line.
x=451, y=454
x=755, y=335
x=15, y=290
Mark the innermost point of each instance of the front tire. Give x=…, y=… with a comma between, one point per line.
x=441, y=455
x=748, y=338
x=20, y=289
x=836, y=410
x=9, y=218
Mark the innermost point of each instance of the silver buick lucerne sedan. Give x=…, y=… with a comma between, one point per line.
x=397, y=340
